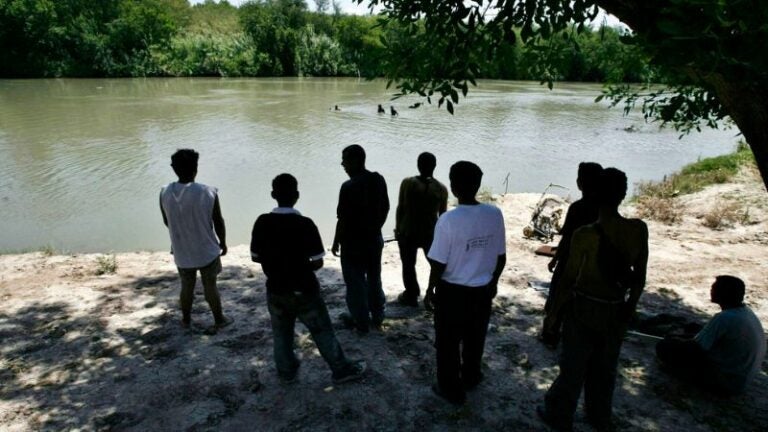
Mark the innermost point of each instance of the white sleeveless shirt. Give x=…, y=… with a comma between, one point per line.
x=189, y=210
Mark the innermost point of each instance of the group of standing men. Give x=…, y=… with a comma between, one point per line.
x=599, y=272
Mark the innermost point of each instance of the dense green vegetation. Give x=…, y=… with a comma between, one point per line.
x=81, y=38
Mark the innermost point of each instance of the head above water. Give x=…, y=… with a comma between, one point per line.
x=184, y=164
x=285, y=190
x=611, y=188
x=353, y=159
x=727, y=291
x=588, y=177
x=465, y=180
x=426, y=164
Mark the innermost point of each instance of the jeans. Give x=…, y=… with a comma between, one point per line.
x=409, y=248
x=361, y=268
x=310, y=309
x=589, y=359
x=208, y=276
x=461, y=323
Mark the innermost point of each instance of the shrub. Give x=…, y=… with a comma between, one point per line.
x=664, y=209
x=724, y=214
x=106, y=264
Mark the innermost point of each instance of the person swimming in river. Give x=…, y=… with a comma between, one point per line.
x=393, y=111
x=381, y=110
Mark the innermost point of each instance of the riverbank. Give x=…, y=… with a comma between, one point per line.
x=106, y=352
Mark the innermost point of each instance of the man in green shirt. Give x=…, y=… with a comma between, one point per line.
x=422, y=200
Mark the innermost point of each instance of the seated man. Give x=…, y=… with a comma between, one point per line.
x=728, y=352
x=289, y=248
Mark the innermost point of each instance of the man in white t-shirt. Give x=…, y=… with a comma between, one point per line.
x=467, y=256
x=192, y=213
x=728, y=352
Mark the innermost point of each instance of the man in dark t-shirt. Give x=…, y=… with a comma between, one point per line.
x=362, y=210
x=580, y=213
x=289, y=248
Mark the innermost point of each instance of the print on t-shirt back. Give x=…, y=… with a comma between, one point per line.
x=481, y=242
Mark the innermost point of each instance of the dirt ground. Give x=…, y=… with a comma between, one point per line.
x=87, y=352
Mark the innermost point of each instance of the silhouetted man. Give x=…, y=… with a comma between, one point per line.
x=467, y=256
x=381, y=110
x=361, y=212
x=604, y=278
x=422, y=200
x=192, y=213
x=289, y=248
x=728, y=352
x=393, y=111
x=580, y=213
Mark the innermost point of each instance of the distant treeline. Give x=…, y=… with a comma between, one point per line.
x=128, y=38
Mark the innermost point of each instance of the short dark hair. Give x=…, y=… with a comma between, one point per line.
x=612, y=187
x=284, y=184
x=354, y=151
x=589, y=175
x=426, y=161
x=730, y=289
x=184, y=162
x=465, y=177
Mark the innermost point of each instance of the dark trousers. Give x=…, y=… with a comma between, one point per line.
x=361, y=268
x=554, y=307
x=461, y=322
x=310, y=309
x=409, y=248
x=685, y=359
x=589, y=358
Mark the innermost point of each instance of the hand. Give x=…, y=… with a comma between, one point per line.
x=552, y=264
x=493, y=288
x=335, y=249
x=429, y=299
x=223, y=247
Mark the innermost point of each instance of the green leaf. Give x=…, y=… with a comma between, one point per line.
x=449, y=107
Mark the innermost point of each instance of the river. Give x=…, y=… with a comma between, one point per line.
x=83, y=160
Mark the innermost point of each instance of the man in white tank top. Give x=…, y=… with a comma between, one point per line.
x=192, y=213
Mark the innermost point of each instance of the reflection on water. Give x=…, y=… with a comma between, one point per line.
x=82, y=161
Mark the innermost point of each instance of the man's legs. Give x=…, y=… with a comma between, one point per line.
x=553, y=308
x=376, y=298
x=408, y=250
x=600, y=380
x=283, y=318
x=188, y=278
x=449, y=319
x=353, y=270
x=563, y=396
x=208, y=275
x=313, y=313
x=473, y=341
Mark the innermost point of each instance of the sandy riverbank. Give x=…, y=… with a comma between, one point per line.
x=89, y=352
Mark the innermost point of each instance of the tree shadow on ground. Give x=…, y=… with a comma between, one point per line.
x=124, y=363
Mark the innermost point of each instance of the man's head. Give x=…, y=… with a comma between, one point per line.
x=184, y=163
x=426, y=163
x=465, y=179
x=588, y=177
x=727, y=291
x=285, y=190
x=353, y=159
x=612, y=187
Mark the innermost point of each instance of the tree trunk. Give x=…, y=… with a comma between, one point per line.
x=745, y=101
x=747, y=104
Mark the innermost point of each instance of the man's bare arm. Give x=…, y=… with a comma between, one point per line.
x=337, y=237
x=162, y=211
x=218, y=225
x=639, y=269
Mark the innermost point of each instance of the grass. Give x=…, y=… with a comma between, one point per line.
x=106, y=264
x=657, y=200
x=696, y=176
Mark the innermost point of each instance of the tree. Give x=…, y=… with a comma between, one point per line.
x=710, y=52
